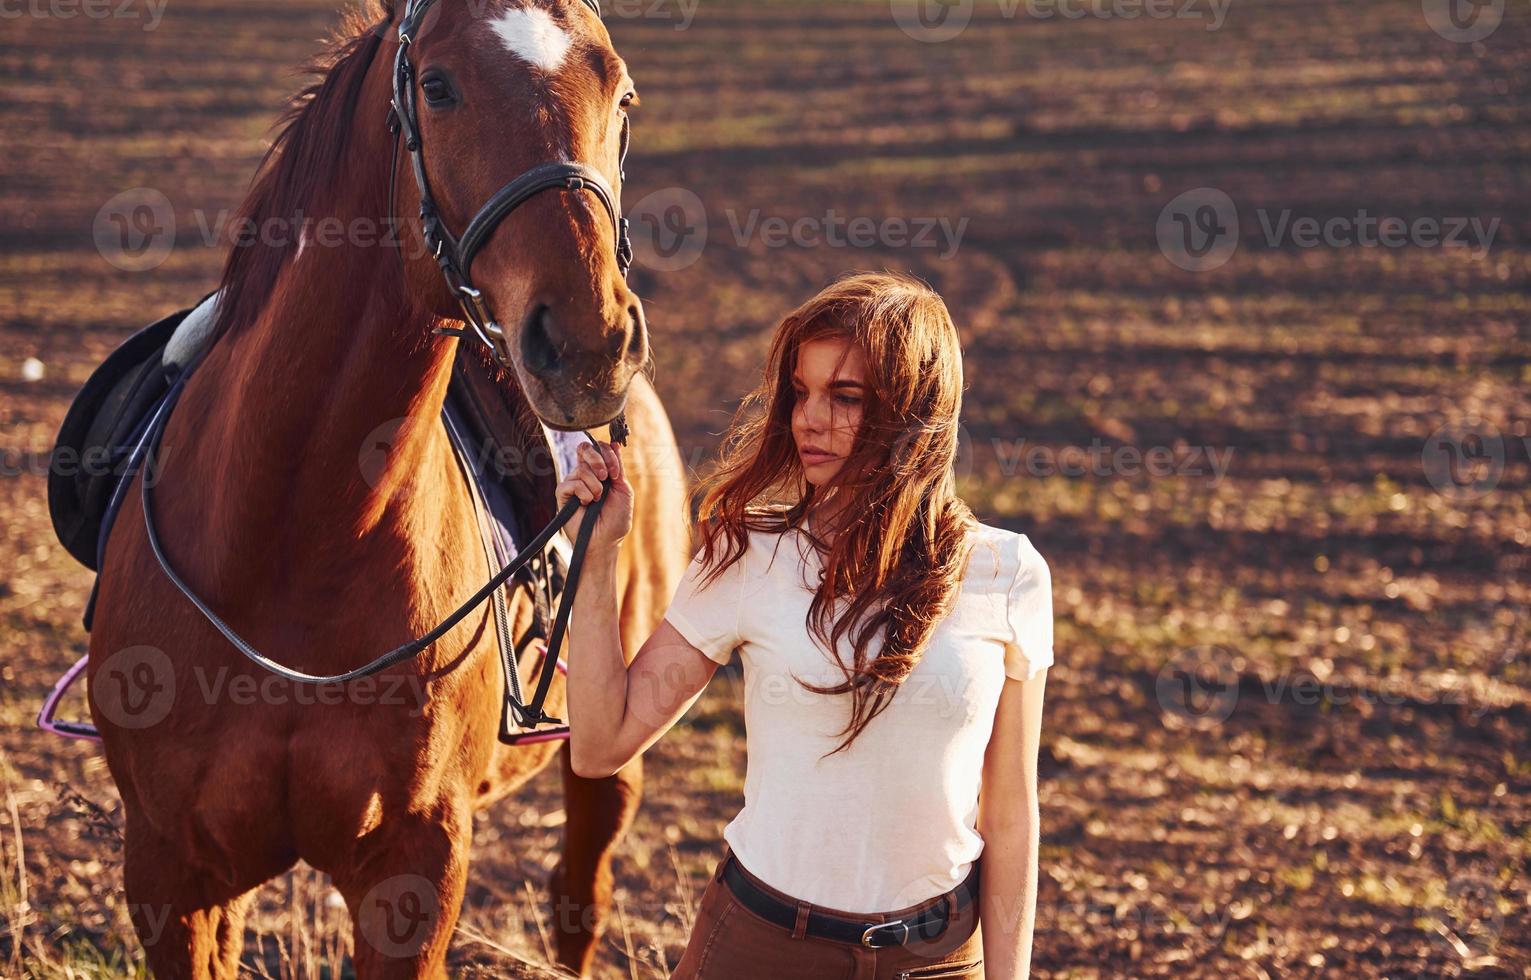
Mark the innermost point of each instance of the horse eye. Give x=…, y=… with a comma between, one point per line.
x=437, y=91
x=627, y=100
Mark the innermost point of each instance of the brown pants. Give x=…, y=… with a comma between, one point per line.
x=729, y=942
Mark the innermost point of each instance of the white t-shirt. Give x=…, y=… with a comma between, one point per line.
x=890, y=821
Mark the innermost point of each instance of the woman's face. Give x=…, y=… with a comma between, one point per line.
x=828, y=385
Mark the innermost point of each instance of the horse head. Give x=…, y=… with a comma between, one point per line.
x=489, y=135
x=514, y=124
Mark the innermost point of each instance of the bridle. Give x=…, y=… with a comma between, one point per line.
x=455, y=255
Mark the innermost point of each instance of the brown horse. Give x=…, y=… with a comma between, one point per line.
x=324, y=548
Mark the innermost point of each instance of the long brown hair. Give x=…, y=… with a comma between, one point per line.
x=898, y=555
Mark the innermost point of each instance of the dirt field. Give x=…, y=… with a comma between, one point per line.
x=1240, y=475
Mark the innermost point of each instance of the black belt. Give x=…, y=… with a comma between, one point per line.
x=926, y=926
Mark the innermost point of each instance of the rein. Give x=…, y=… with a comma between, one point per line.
x=526, y=714
x=455, y=257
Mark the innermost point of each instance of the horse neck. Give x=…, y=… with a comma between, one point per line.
x=323, y=431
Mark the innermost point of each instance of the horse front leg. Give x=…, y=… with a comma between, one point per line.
x=404, y=888
x=598, y=814
x=191, y=925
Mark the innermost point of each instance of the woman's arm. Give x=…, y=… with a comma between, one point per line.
x=617, y=711
x=1009, y=823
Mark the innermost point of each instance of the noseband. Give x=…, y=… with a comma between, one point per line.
x=455, y=255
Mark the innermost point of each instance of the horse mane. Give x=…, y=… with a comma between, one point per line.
x=300, y=163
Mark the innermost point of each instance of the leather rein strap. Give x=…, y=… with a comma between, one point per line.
x=526, y=714
x=453, y=254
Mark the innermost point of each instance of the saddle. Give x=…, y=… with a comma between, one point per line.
x=509, y=459
x=100, y=429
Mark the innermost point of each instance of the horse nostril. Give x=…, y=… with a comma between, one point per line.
x=538, y=353
x=635, y=335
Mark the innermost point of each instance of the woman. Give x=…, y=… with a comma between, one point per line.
x=833, y=523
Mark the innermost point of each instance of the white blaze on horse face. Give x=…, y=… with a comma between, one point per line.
x=531, y=35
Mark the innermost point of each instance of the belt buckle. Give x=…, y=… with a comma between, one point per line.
x=866, y=937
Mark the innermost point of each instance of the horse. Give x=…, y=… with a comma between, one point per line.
x=304, y=486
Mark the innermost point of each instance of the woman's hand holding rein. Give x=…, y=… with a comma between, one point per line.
x=584, y=482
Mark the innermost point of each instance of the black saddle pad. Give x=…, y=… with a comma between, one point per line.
x=90, y=453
